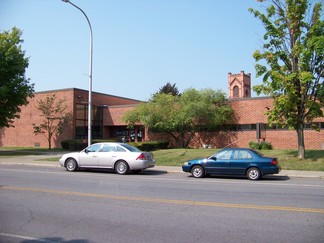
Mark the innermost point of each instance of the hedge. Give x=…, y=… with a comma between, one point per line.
x=79, y=144
x=150, y=145
x=260, y=146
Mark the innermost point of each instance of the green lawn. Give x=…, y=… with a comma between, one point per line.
x=176, y=157
x=22, y=151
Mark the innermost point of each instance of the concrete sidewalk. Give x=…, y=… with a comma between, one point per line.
x=40, y=160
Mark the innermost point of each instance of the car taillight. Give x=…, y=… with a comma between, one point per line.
x=141, y=157
x=273, y=162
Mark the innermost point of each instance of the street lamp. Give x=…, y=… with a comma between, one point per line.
x=90, y=74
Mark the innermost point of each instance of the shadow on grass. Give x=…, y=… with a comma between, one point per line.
x=313, y=155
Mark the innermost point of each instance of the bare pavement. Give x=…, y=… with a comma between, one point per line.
x=40, y=160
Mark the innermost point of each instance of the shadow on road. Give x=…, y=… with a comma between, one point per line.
x=55, y=239
x=265, y=178
x=110, y=171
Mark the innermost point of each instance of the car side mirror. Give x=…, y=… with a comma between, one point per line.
x=86, y=151
x=213, y=158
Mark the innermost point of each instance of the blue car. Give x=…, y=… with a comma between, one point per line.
x=233, y=161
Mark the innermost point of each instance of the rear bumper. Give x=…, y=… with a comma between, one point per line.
x=143, y=165
x=274, y=170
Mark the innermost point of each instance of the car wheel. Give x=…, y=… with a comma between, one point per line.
x=121, y=167
x=253, y=174
x=197, y=171
x=71, y=165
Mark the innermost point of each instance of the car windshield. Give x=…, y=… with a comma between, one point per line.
x=130, y=148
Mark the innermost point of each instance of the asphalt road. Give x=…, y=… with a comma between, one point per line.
x=52, y=205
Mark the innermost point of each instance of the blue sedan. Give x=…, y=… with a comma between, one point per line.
x=233, y=161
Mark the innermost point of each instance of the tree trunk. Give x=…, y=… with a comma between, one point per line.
x=49, y=139
x=301, y=144
x=49, y=144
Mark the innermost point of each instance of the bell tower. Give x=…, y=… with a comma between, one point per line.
x=239, y=85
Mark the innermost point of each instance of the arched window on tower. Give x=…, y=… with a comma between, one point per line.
x=236, y=92
x=247, y=93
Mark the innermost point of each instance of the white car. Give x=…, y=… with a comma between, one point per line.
x=120, y=157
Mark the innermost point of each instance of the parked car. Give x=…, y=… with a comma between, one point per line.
x=120, y=157
x=233, y=161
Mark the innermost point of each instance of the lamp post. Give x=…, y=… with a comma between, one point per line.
x=90, y=73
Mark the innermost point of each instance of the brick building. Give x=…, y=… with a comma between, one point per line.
x=108, y=111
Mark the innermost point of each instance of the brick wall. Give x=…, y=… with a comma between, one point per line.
x=22, y=134
x=251, y=111
x=113, y=115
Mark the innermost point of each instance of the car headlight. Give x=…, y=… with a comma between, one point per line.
x=185, y=163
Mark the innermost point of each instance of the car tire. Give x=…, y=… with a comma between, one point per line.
x=198, y=171
x=253, y=174
x=71, y=165
x=121, y=167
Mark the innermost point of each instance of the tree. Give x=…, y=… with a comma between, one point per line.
x=14, y=86
x=169, y=89
x=55, y=118
x=291, y=63
x=182, y=116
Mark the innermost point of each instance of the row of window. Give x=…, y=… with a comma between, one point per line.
x=249, y=127
x=97, y=125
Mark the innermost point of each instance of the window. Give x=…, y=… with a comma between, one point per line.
x=94, y=148
x=130, y=148
x=241, y=154
x=81, y=130
x=120, y=149
x=108, y=148
x=224, y=154
x=247, y=93
x=236, y=92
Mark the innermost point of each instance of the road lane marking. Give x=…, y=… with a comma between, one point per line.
x=167, y=201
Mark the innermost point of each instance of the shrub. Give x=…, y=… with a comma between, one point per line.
x=66, y=143
x=260, y=146
x=254, y=145
x=266, y=146
x=150, y=145
x=73, y=144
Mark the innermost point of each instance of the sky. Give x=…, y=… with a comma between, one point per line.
x=138, y=45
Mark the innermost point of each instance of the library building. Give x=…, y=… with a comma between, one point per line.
x=107, y=123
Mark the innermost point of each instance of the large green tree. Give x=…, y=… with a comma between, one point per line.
x=182, y=116
x=55, y=117
x=291, y=63
x=14, y=86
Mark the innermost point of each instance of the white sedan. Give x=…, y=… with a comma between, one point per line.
x=120, y=157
